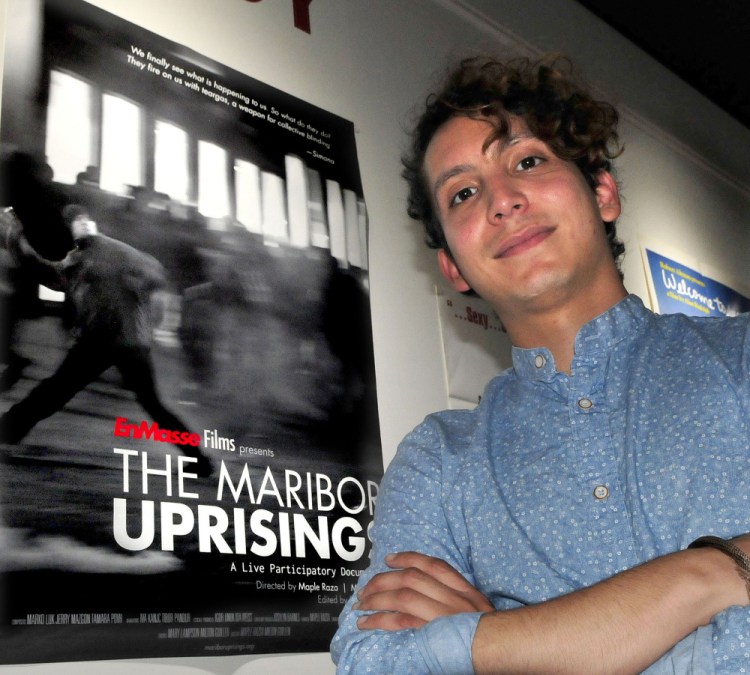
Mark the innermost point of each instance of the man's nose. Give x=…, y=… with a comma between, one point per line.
x=505, y=199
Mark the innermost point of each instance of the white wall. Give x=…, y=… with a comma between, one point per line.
x=370, y=62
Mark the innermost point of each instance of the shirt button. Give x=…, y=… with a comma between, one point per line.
x=539, y=361
x=601, y=492
x=585, y=403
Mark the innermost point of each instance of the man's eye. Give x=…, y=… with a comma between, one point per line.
x=463, y=195
x=529, y=163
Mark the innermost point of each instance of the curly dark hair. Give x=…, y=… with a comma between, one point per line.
x=545, y=94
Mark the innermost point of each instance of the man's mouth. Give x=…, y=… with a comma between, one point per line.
x=523, y=241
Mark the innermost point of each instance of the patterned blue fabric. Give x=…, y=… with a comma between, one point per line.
x=555, y=482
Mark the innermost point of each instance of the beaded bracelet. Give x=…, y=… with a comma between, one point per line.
x=741, y=559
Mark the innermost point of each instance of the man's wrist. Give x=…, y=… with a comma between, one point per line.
x=714, y=578
x=740, y=558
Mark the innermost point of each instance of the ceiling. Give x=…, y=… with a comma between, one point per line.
x=704, y=42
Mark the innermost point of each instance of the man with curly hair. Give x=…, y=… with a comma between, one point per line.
x=549, y=529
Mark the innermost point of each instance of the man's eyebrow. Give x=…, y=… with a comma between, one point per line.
x=446, y=175
x=512, y=139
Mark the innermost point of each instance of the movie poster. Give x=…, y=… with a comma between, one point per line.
x=190, y=444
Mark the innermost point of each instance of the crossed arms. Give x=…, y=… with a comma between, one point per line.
x=415, y=613
x=620, y=625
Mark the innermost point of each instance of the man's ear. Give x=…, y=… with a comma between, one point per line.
x=607, y=197
x=450, y=271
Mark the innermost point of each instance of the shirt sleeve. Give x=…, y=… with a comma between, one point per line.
x=731, y=637
x=729, y=649
x=409, y=516
x=693, y=655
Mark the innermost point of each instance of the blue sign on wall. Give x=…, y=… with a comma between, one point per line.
x=679, y=289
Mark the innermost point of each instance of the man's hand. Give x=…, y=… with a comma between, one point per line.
x=11, y=231
x=419, y=589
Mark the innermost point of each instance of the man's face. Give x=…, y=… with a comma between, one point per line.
x=523, y=226
x=83, y=226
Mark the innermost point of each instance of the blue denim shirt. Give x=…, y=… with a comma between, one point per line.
x=557, y=481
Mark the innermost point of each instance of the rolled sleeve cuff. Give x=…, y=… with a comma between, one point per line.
x=445, y=643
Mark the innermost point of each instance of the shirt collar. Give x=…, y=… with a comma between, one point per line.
x=596, y=337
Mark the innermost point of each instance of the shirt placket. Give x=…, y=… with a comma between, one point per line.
x=598, y=479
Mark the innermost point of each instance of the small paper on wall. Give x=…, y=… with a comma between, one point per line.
x=475, y=346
